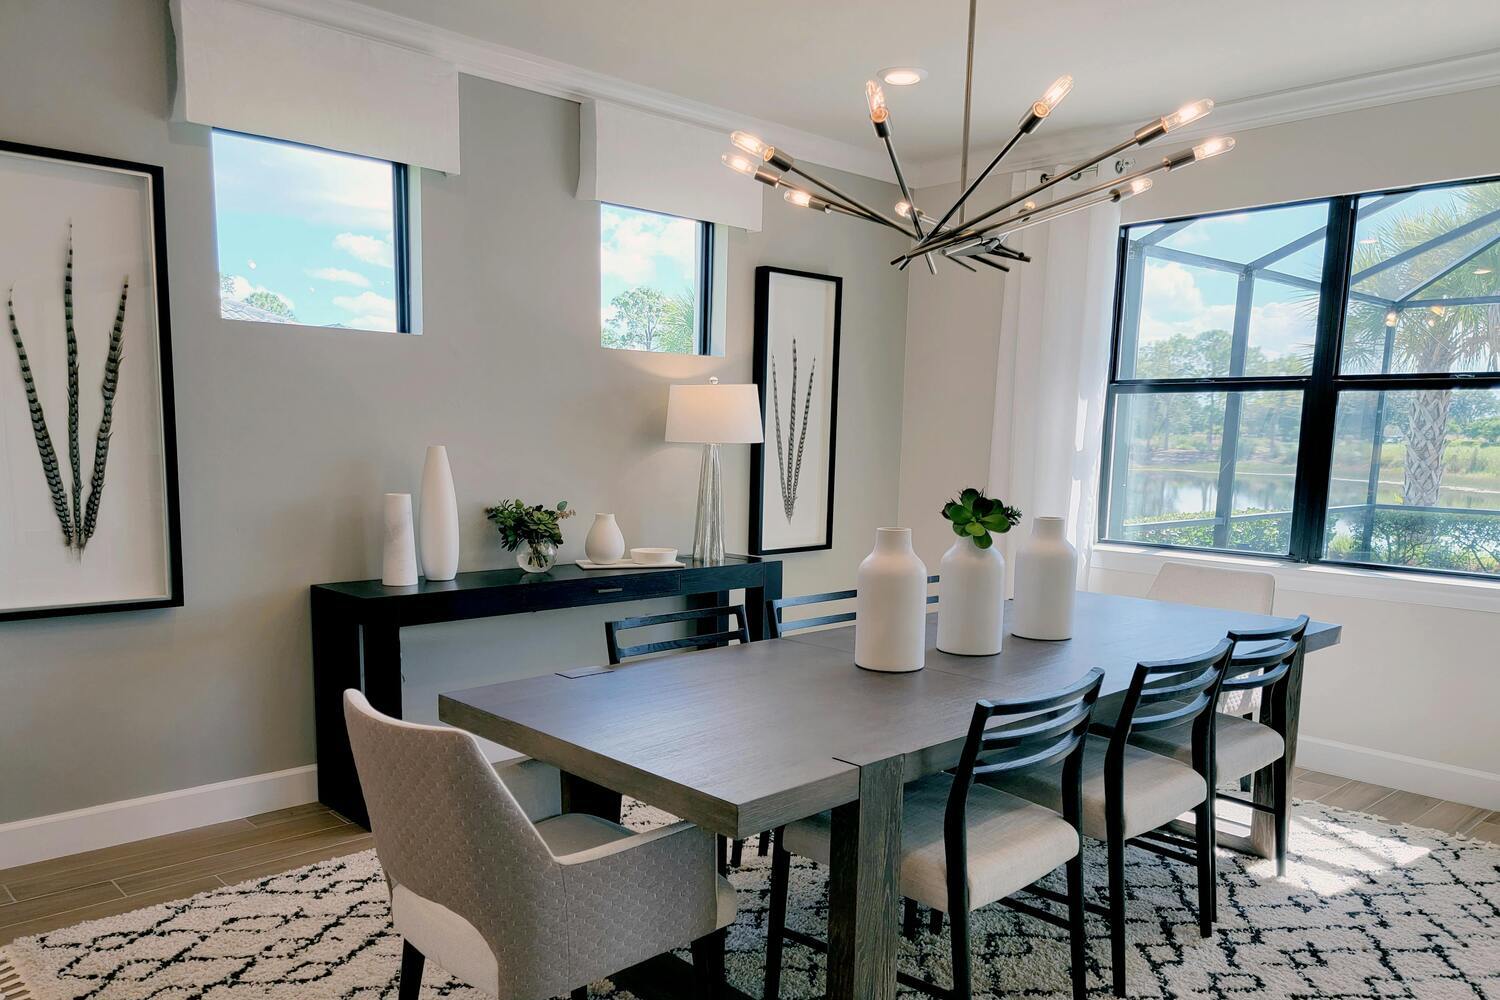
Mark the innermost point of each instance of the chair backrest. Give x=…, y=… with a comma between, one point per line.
x=1034, y=732
x=1282, y=669
x=780, y=628
x=1165, y=694
x=1212, y=587
x=698, y=640
x=447, y=830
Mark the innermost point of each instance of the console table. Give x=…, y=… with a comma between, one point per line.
x=356, y=632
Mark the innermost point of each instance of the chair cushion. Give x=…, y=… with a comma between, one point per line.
x=1241, y=747
x=574, y=832
x=1157, y=789
x=1012, y=843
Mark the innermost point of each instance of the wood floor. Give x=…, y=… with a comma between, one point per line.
x=51, y=894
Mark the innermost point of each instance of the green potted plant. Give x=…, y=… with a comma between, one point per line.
x=971, y=614
x=532, y=531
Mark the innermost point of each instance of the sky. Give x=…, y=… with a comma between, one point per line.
x=310, y=226
x=643, y=248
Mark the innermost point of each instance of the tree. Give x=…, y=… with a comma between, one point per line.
x=643, y=319
x=270, y=302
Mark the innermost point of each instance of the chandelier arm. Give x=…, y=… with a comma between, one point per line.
x=996, y=265
x=1056, y=179
x=1122, y=181
x=963, y=161
x=960, y=263
x=979, y=180
x=843, y=196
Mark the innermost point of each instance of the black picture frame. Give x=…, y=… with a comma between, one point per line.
x=154, y=177
x=758, y=453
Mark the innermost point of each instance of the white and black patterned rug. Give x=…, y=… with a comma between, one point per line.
x=1368, y=909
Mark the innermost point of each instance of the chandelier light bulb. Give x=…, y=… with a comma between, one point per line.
x=1213, y=147
x=903, y=209
x=1053, y=96
x=798, y=197
x=739, y=164
x=1437, y=310
x=751, y=144
x=875, y=98
x=1187, y=114
x=1138, y=186
x=1391, y=318
x=1029, y=206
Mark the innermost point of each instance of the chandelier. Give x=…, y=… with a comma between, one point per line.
x=980, y=239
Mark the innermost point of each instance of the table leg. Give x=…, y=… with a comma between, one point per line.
x=756, y=621
x=580, y=795
x=335, y=650
x=864, y=890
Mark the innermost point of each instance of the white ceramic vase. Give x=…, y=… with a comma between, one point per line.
x=971, y=614
x=399, y=562
x=437, y=524
x=604, y=543
x=890, y=611
x=1046, y=582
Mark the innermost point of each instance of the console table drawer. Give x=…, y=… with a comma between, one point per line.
x=604, y=589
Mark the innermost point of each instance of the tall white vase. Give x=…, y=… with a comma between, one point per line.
x=1046, y=583
x=971, y=614
x=399, y=558
x=604, y=543
x=890, y=611
x=437, y=521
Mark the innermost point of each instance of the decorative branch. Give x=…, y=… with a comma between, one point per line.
x=789, y=498
x=106, y=420
x=776, y=409
x=789, y=464
x=74, y=458
x=802, y=438
x=44, y=447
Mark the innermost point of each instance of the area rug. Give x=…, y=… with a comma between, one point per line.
x=1368, y=909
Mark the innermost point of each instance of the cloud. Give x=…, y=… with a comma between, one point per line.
x=340, y=275
x=1173, y=303
x=634, y=244
x=369, y=249
x=239, y=288
x=368, y=310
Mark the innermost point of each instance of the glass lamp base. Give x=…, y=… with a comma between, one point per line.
x=708, y=535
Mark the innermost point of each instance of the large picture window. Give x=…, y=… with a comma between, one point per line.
x=1318, y=381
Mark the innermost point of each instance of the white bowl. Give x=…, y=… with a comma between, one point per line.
x=653, y=557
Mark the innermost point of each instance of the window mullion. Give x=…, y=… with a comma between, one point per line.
x=1320, y=401
x=1239, y=346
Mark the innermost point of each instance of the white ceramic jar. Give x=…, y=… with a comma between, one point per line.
x=437, y=520
x=604, y=544
x=971, y=612
x=890, y=617
x=1046, y=582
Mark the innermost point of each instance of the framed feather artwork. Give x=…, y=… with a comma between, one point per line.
x=89, y=520
x=797, y=369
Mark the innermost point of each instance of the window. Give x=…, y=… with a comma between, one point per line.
x=655, y=281
x=310, y=236
x=1318, y=381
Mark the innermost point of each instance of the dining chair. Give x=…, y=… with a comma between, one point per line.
x=712, y=618
x=966, y=845
x=520, y=909
x=780, y=628
x=1243, y=747
x=1130, y=794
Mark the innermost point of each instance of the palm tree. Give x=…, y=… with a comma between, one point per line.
x=1439, y=339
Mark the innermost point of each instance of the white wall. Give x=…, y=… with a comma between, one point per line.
x=1407, y=699
x=288, y=435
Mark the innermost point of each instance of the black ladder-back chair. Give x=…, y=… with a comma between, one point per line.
x=780, y=628
x=703, y=619
x=1164, y=694
x=1284, y=681
x=1050, y=728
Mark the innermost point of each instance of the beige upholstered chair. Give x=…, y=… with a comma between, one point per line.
x=1212, y=587
x=523, y=910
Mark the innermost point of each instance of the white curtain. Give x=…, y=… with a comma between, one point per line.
x=1053, y=366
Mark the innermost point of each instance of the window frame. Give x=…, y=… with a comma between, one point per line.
x=1321, y=388
x=401, y=210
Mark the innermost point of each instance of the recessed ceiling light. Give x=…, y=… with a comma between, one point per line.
x=902, y=76
x=1483, y=270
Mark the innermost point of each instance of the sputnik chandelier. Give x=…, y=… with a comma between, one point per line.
x=981, y=238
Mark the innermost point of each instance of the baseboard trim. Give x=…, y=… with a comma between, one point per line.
x=40, y=838
x=1394, y=770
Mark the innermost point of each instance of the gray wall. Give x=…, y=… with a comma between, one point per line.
x=289, y=435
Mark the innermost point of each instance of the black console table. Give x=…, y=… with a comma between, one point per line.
x=366, y=616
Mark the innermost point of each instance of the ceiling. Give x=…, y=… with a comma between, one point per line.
x=804, y=64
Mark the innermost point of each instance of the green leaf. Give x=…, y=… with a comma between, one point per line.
x=976, y=529
x=957, y=513
x=996, y=521
x=984, y=506
x=968, y=496
x=984, y=541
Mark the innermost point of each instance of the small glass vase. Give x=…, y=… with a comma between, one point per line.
x=536, y=557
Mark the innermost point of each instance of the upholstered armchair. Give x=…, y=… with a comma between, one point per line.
x=523, y=910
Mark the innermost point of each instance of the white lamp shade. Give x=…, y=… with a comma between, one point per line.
x=714, y=414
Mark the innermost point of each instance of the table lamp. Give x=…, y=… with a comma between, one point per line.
x=712, y=415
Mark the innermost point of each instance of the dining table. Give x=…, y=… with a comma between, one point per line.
x=740, y=739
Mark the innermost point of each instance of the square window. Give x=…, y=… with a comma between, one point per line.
x=655, y=281
x=309, y=236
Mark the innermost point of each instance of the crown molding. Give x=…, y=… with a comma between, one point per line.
x=503, y=64
x=1355, y=93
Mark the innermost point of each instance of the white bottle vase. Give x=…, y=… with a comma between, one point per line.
x=890, y=611
x=399, y=559
x=1046, y=583
x=437, y=524
x=604, y=543
x=971, y=614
